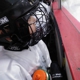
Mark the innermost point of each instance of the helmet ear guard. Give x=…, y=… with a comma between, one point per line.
x=5, y=31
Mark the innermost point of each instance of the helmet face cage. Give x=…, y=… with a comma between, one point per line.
x=41, y=23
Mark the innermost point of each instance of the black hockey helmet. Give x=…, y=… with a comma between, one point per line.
x=14, y=25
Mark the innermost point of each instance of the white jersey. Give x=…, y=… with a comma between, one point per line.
x=20, y=65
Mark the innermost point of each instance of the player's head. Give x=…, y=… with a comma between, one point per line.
x=22, y=23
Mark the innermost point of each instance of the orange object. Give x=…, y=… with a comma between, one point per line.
x=40, y=75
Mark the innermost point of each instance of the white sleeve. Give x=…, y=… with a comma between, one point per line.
x=45, y=52
x=11, y=70
x=46, y=6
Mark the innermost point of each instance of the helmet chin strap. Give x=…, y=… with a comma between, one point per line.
x=17, y=44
